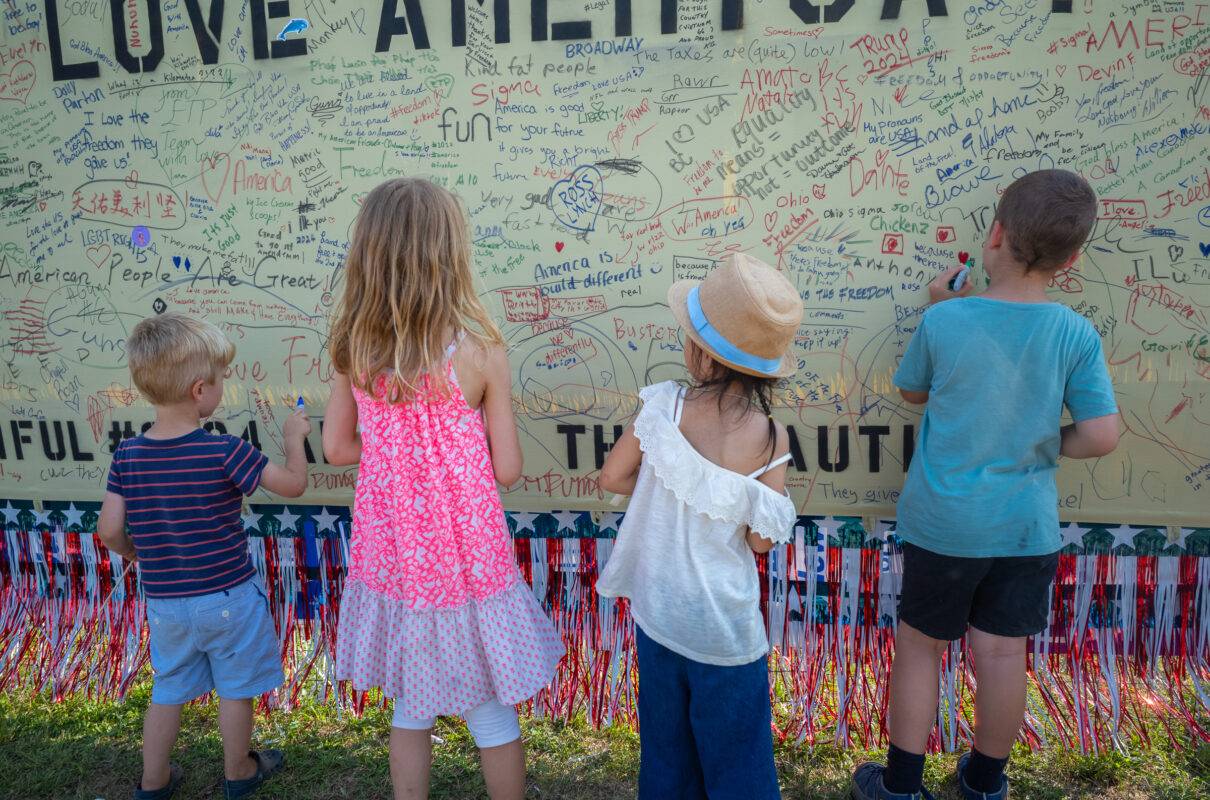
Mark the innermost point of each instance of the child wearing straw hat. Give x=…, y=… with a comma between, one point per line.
x=705, y=468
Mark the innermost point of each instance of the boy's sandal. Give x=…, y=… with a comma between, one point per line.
x=867, y=785
x=268, y=764
x=970, y=794
x=175, y=775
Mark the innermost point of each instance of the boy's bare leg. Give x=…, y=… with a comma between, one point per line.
x=504, y=770
x=411, y=758
x=912, y=704
x=235, y=728
x=999, y=691
x=160, y=729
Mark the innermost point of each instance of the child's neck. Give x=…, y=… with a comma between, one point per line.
x=733, y=389
x=174, y=420
x=1011, y=283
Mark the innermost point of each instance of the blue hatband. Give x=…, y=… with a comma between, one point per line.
x=720, y=344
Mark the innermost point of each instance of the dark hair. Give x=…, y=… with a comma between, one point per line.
x=755, y=388
x=1046, y=216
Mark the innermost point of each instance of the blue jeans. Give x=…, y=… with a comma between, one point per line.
x=704, y=731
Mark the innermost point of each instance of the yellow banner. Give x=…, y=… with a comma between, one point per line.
x=209, y=158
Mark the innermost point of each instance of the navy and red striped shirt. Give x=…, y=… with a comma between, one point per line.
x=183, y=499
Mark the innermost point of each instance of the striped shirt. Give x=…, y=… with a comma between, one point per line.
x=183, y=499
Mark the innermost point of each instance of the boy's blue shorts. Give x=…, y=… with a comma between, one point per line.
x=224, y=641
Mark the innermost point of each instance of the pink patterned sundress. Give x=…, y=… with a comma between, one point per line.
x=435, y=610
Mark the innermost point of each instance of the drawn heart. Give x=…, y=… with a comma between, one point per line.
x=210, y=167
x=358, y=19
x=1061, y=68
x=770, y=221
x=862, y=78
x=18, y=82
x=1205, y=248
x=176, y=261
x=41, y=206
x=132, y=180
x=440, y=85
x=558, y=247
x=963, y=256
x=576, y=200
x=1175, y=251
x=97, y=255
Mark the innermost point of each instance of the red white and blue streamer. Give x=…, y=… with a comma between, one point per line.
x=1126, y=656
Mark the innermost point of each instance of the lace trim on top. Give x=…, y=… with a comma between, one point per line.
x=699, y=483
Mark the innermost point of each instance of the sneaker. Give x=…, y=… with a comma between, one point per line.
x=175, y=776
x=867, y=785
x=971, y=794
x=268, y=764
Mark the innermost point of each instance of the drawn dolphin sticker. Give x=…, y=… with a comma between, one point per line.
x=293, y=26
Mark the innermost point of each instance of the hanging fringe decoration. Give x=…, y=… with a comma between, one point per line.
x=1126, y=653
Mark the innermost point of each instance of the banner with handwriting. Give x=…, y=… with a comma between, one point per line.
x=209, y=157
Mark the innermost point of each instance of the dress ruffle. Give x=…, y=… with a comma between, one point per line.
x=446, y=660
x=702, y=485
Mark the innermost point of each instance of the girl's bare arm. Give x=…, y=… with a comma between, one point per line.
x=341, y=441
x=497, y=408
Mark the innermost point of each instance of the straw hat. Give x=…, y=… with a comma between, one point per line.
x=744, y=314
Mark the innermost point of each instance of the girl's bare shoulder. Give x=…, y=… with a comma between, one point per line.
x=477, y=362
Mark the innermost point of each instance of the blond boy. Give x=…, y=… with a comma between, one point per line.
x=173, y=504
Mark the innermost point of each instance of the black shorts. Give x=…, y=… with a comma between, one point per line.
x=1002, y=596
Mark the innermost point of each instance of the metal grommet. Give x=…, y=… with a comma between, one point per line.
x=226, y=613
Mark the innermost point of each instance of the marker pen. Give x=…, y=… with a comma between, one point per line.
x=958, y=280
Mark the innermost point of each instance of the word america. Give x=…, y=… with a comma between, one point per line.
x=207, y=28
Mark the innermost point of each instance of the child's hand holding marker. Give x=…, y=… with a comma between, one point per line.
x=298, y=423
x=954, y=281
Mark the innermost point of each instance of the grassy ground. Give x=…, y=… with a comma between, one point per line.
x=79, y=748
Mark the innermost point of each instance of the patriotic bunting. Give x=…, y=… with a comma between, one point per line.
x=1126, y=653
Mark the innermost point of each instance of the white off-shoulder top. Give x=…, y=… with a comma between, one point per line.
x=681, y=556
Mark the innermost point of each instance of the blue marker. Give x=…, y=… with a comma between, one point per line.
x=301, y=404
x=959, y=279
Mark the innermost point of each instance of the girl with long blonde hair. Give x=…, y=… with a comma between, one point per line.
x=435, y=611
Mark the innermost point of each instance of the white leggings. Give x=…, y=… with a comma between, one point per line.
x=491, y=724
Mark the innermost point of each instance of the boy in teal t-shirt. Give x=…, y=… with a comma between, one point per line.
x=979, y=509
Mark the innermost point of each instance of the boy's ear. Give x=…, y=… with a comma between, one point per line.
x=195, y=390
x=995, y=237
x=1070, y=260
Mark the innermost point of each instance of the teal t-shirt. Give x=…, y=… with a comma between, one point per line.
x=982, y=478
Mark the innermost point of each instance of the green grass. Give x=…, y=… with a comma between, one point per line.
x=81, y=748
